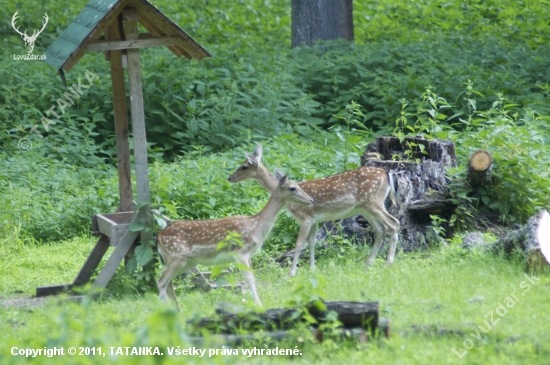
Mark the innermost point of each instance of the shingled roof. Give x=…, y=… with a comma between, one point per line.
x=92, y=22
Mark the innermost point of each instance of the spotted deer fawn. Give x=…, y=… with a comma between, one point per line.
x=184, y=244
x=360, y=191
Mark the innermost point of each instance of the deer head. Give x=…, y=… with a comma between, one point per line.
x=29, y=40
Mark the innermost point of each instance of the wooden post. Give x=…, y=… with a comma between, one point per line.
x=121, y=122
x=138, y=119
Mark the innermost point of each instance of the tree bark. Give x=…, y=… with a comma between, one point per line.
x=533, y=239
x=420, y=191
x=321, y=19
x=363, y=315
x=480, y=168
x=420, y=183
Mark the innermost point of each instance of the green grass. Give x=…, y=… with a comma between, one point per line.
x=420, y=293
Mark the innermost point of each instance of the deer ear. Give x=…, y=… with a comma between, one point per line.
x=251, y=159
x=258, y=152
x=280, y=176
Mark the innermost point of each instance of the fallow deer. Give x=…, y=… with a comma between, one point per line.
x=360, y=191
x=184, y=244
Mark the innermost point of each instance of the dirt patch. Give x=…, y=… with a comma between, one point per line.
x=23, y=302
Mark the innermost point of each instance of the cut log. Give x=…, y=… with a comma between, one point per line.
x=533, y=239
x=363, y=315
x=480, y=168
x=359, y=334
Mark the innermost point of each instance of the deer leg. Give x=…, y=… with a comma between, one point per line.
x=249, y=276
x=392, y=227
x=389, y=224
x=378, y=237
x=305, y=228
x=312, y=242
x=164, y=284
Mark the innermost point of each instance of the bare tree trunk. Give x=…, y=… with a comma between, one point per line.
x=321, y=19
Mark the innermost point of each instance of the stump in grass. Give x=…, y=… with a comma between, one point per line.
x=533, y=239
x=420, y=183
x=420, y=191
x=480, y=168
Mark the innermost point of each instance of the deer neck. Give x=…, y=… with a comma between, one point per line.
x=266, y=218
x=266, y=179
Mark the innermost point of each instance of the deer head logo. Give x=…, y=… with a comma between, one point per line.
x=29, y=40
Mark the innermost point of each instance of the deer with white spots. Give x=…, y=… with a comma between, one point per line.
x=184, y=244
x=360, y=191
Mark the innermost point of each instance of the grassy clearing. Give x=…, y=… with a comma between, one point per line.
x=429, y=290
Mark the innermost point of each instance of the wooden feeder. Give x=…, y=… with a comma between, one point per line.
x=111, y=26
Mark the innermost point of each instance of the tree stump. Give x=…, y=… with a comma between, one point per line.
x=421, y=183
x=533, y=239
x=421, y=191
x=480, y=168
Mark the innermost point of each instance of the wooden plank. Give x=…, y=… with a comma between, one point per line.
x=161, y=20
x=148, y=11
x=163, y=24
x=93, y=261
x=115, y=259
x=42, y=291
x=147, y=24
x=95, y=34
x=138, y=120
x=121, y=123
x=133, y=44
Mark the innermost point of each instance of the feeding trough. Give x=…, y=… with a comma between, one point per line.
x=111, y=26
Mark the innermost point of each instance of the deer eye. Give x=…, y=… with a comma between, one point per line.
x=292, y=189
x=244, y=167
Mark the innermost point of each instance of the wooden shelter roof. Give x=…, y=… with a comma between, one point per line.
x=86, y=31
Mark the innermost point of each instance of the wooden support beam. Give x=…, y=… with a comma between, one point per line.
x=156, y=31
x=43, y=291
x=121, y=124
x=133, y=44
x=138, y=120
x=93, y=261
x=114, y=261
x=162, y=24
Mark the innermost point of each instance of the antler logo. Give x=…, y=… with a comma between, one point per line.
x=29, y=40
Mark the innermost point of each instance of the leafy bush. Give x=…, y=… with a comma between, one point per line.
x=516, y=137
x=50, y=200
x=377, y=76
x=522, y=22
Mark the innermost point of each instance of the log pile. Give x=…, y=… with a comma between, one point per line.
x=357, y=319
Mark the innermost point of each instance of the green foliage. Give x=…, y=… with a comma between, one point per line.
x=380, y=75
x=438, y=301
x=523, y=22
x=243, y=91
x=516, y=138
x=50, y=200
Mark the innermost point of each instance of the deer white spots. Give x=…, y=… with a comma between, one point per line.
x=360, y=191
x=184, y=244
